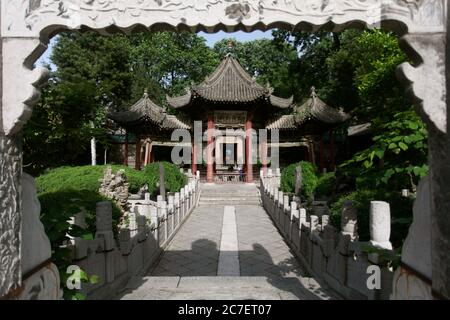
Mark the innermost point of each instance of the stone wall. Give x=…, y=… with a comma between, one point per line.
x=150, y=228
x=334, y=257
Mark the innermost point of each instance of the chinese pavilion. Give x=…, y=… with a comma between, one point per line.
x=228, y=99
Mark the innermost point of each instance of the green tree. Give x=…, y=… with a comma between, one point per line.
x=168, y=62
x=268, y=61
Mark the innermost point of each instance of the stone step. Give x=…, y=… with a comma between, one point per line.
x=223, y=288
x=228, y=203
x=229, y=200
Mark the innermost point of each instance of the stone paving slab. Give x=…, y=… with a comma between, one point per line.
x=218, y=288
x=195, y=249
x=188, y=268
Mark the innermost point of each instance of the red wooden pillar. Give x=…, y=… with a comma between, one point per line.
x=248, y=148
x=332, y=150
x=194, y=158
x=138, y=153
x=125, y=160
x=210, y=149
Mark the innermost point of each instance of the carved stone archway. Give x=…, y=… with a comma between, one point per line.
x=27, y=25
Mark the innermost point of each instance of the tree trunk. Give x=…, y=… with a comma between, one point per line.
x=93, y=152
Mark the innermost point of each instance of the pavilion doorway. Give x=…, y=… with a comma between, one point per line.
x=229, y=159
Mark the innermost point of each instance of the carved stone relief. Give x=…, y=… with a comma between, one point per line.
x=10, y=218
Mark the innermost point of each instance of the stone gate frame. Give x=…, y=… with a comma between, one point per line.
x=27, y=25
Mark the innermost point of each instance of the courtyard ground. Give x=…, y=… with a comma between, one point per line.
x=227, y=252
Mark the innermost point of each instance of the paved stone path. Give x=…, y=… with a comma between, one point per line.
x=189, y=267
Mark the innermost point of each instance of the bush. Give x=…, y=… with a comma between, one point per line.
x=64, y=192
x=326, y=185
x=174, y=179
x=84, y=178
x=309, y=179
x=401, y=212
x=57, y=208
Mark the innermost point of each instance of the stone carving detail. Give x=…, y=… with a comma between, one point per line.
x=10, y=218
x=42, y=285
x=39, y=14
x=429, y=95
x=115, y=187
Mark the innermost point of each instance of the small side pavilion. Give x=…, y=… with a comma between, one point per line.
x=311, y=126
x=150, y=125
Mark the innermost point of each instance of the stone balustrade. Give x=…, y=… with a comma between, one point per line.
x=151, y=227
x=334, y=257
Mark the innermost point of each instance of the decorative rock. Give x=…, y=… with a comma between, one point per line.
x=115, y=187
x=380, y=224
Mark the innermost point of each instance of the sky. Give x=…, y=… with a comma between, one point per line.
x=211, y=39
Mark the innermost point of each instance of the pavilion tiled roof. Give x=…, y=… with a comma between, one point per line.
x=230, y=83
x=313, y=109
x=145, y=110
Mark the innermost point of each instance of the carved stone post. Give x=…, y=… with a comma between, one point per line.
x=10, y=214
x=428, y=86
x=380, y=224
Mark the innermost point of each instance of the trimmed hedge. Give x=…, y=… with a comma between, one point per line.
x=84, y=178
x=174, y=179
x=309, y=179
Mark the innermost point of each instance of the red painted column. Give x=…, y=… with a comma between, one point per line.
x=125, y=160
x=138, y=153
x=248, y=148
x=194, y=158
x=210, y=149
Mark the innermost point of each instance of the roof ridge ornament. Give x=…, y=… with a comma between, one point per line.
x=230, y=51
x=145, y=96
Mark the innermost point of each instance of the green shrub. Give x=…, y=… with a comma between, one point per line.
x=309, y=179
x=57, y=208
x=64, y=192
x=84, y=178
x=401, y=212
x=174, y=179
x=326, y=184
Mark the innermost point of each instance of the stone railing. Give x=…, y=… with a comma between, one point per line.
x=335, y=257
x=150, y=228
